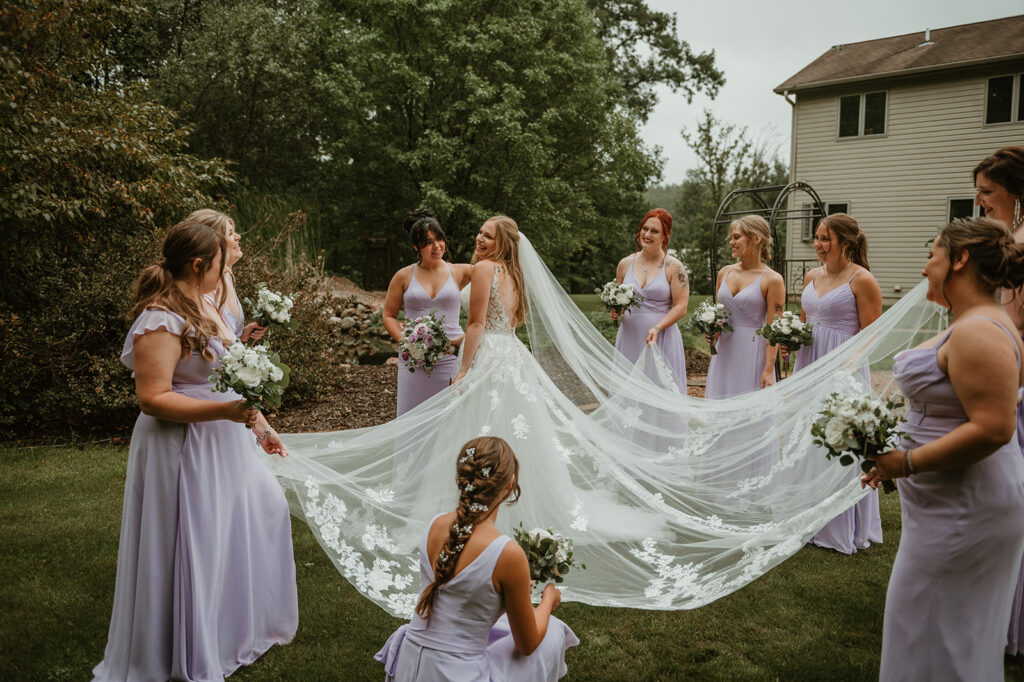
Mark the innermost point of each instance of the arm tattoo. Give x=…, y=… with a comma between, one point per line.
x=778, y=307
x=684, y=281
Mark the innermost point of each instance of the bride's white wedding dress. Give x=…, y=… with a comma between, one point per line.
x=654, y=487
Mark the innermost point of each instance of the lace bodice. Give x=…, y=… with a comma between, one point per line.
x=496, y=320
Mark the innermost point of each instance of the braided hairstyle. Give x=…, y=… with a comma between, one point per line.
x=848, y=232
x=998, y=260
x=484, y=469
x=420, y=224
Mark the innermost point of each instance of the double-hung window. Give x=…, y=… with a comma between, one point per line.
x=1004, y=99
x=863, y=114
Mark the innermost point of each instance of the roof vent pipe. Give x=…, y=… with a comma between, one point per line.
x=927, y=38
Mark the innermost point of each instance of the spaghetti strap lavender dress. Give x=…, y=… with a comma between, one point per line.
x=205, y=574
x=948, y=599
x=639, y=319
x=415, y=387
x=737, y=366
x=467, y=637
x=1012, y=301
x=835, y=321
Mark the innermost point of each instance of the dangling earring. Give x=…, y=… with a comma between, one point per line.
x=1018, y=215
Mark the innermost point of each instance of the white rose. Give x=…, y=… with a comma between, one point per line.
x=797, y=324
x=251, y=358
x=276, y=374
x=720, y=306
x=846, y=411
x=237, y=350
x=707, y=316
x=250, y=376
x=416, y=352
x=834, y=433
x=786, y=329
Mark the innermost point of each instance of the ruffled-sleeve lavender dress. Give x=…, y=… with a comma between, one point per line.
x=415, y=387
x=205, y=574
x=963, y=535
x=737, y=366
x=639, y=319
x=835, y=320
x=467, y=637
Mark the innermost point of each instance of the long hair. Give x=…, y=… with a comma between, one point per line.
x=848, y=232
x=757, y=228
x=1006, y=167
x=665, y=218
x=420, y=224
x=997, y=260
x=506, y=252
x=483, y=471
x=220, y=222
x=157, y=285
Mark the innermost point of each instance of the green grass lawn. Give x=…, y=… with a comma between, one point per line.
x=817, y=616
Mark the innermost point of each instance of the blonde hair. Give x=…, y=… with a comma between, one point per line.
x=211, y=218
x=756, y=227
x=485, y=468
x=506, y=252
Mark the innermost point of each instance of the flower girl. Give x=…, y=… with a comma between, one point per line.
x=471, y=574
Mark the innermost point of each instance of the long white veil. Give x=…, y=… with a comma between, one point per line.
x=672, y=501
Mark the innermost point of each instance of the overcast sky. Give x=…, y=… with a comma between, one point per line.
x=760, y=44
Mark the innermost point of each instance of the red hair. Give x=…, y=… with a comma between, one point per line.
x=665, y=218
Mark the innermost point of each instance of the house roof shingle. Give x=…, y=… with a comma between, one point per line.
x=985, y=41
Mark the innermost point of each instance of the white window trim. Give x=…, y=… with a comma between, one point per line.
x=1014, y=101
x=861, y=112
x=975, y=209
x=807, y=206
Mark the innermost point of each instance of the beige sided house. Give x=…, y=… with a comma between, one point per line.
x=889, y=131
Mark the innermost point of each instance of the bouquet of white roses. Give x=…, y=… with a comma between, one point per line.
x=423, y=343
x=710, y=319
x=271, y=307
x=549, y=554
x=254, y=372
x=851, y=427
x=618, y=297
x=789, y=331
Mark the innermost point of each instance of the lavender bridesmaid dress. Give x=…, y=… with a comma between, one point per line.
x=835, y=321
x=467, y=637
x=415, y=387
x=205, y=575
x=949, y=595
x=739, y=362
x=1010, y=301
x=639, y=319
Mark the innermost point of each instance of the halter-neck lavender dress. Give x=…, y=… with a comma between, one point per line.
x=639, y=319
x=835, y=321
x=415, y=387
x=948, y=599
x=205, y=574
x=739, y=362
x=467, y=637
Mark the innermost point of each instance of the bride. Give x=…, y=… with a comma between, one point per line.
x=660, y=510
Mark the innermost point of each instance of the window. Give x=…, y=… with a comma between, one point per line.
x=962, y=208
x=810, y=224
x=1004, y=99
x=861, y=115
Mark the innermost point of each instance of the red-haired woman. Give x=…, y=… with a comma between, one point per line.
x=665, y=287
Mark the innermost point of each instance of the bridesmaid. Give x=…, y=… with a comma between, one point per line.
x=474, y=620
x=999, y=184
x=225, y=295
x=663, y=283
x=753, y=294
x=431, y=283
x=962, y=497
x=840, y=298
x=205, y=575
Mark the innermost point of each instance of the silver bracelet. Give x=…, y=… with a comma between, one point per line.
x=908, y=461
x=263, y=437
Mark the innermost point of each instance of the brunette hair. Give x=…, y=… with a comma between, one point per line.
x=665, y=218
x=997, y=260
x=506, y=252
x=756, y=227
x=848, y=232
x=419, y=224
x=1006, y=167
x=483, y=471
x=157, y=285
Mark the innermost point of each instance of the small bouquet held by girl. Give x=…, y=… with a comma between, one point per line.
x=618, y=298
x=254, y=372
x=858, y=427
x=788, y=331
x=270, y=307
x=710, y=319
x=549, y=554
x=423, y=343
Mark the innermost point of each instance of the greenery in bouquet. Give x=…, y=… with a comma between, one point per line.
x=710, y=319
x=788, y=331
x=549, y=554
x=423, y=343
x=618, y=297
x=254, y=372
x=858, y=427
